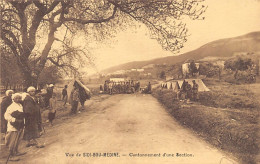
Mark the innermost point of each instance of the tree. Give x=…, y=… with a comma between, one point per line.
x=193, y=68
x=162, y=75
x=40, y=32
x=208, y=69
x=49, y=75
x=10, y=74
x=238, y=64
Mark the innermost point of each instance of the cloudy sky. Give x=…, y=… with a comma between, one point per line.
x=224, y=19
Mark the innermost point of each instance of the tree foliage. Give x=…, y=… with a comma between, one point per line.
x=43, y=32
x=208, y=69
x=162, y=75
x=238, y=64
x=193, y=68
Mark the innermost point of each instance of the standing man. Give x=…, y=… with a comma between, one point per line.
x=149, y=88
x=82, y=97
x=65, y=95
x=40, y=105
x=189, y=91
x=31, y=119
x=49, y=94
x=110, y=87
x=7, y=100
x=74, y=99
x=15, y=117
x=195, y=91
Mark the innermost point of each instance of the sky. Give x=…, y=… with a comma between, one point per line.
x=223, y=19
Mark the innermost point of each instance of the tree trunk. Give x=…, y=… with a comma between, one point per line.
x=29, y=80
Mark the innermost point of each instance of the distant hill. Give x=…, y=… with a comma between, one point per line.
x=220, y=48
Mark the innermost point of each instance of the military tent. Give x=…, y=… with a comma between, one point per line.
x=202, y=86
x=177, y=84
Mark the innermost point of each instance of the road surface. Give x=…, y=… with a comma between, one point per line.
x=123, y=126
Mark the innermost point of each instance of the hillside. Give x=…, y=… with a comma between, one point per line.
x=220, y=48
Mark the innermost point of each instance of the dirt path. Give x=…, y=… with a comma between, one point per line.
x=123, y=124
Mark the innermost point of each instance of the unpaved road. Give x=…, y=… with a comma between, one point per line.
x=123, y=124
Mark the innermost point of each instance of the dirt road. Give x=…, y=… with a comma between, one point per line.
x=127, y=125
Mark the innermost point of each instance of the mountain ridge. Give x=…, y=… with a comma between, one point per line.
x=226, y=47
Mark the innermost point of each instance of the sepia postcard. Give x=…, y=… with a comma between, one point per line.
x=130, y=81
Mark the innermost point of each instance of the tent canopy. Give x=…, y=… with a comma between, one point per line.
x=177, y=84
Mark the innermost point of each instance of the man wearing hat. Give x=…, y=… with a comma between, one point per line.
x=31, y=124
x=7, y=100
x=48, y=95
x=195, y=90
x=15, y=117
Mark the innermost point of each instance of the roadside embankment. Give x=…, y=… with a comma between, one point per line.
x=225, y=118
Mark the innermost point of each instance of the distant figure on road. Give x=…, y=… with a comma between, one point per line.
x=65, y=95
x=7, y=100
x=149, y=88
x=52, y=109
x=82, y=97
x=101, y=89
x=74, y=99
x=195, y=90
x=110, y=88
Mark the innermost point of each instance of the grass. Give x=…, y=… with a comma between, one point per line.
x=226, y=118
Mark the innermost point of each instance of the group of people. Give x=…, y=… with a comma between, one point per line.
x=125, y=87
x=21, y=119
x=78, y=95
x=188, y=92
x=21, y=114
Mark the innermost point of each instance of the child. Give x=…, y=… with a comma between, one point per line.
x=52, y=108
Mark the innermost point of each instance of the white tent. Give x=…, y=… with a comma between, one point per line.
x=202, y=86
x=177, y=84
x=168, y=85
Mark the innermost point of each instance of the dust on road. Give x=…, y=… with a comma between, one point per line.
x=124, y=124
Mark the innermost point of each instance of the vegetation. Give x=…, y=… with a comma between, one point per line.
x=37, y=33
x=227, y=120
x=238, y=64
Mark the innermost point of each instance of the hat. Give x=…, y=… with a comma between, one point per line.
x=51, y=85
x=30, y=89
x=43, y=91
x=8, y=92
x=16, y=95
x=24, y=94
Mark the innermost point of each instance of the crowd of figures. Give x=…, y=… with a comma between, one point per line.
x=187, y=92
x=21, y=114
x=21, y=118
x=127, y=87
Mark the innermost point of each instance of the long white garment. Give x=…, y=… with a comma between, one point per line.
x=13, y=107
